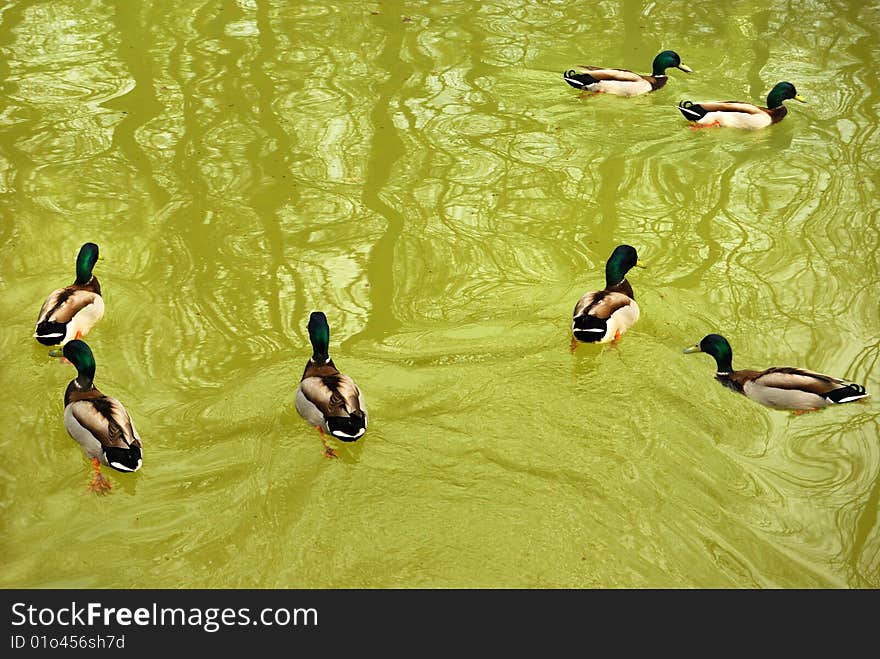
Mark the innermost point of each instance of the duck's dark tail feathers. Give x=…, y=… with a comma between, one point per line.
x=847, y=394
x=589, y=329
x=347, y=428
x=578, y=80
x=50, y=333
x=691, y=111
x=124, y=459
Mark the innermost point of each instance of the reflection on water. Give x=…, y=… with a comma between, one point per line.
x=435, y=188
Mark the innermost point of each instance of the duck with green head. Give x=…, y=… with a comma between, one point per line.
x=622, y=82
x=70, y=312
x=739, y=114
x=100, y=424
x=326, y=398
x=603, y=316
x=779, y=387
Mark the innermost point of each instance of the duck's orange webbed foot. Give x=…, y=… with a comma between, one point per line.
x=714, y=124
x=328, y=452
x=574, y=345
x=800, y=412
x=78, y=335
x=615, y=342
x=99, y=484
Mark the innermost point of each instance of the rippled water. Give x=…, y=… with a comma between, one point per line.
x=420, y=172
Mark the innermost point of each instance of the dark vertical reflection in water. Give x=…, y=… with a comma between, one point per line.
x=277, y=189
x=610, y=171
x=17, y=165
x=134, y=25
x=757, y=86
x=381, y=159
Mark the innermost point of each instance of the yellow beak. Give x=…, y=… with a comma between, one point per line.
x=685, y=68
x=692, y=349
x=640, y=264
x=800, y=98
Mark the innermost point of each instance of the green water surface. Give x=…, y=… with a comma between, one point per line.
x=421, y=173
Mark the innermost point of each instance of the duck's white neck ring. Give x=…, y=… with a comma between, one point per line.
x=723, y=373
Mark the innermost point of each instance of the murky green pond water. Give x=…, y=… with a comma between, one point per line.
x=420, y=172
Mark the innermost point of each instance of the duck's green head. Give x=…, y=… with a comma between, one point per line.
x=717, y=346
x=319, y=335
x=85, y=262
x=80, y=355
x=666, y=60
x=782, y=92
x=621, y=261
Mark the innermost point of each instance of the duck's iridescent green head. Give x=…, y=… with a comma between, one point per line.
x=319, y=335
x=717, y=346
x=667, y=60
x=85, y=262
x=621, y=261
x=80, y=355
x=782, y=92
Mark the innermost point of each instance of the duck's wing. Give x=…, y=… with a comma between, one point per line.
x=801, y=379
x=333, y=395
x=105, y=418
x=64, y=304
x=601, y=304
x=599, y=73
x=730, y=106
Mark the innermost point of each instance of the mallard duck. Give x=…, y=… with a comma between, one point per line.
x=738, y=114
x=326, y=398
x=603, y=316
x=781, y=387
x=70, y=312
x=99, y=423
x=623, y=82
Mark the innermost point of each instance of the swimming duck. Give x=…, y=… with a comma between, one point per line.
x=623, y=82
x=738, y=114
x=70, y=312
x=781, y=387
x=99, y=423
x=326, y=398
x=603, y=316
